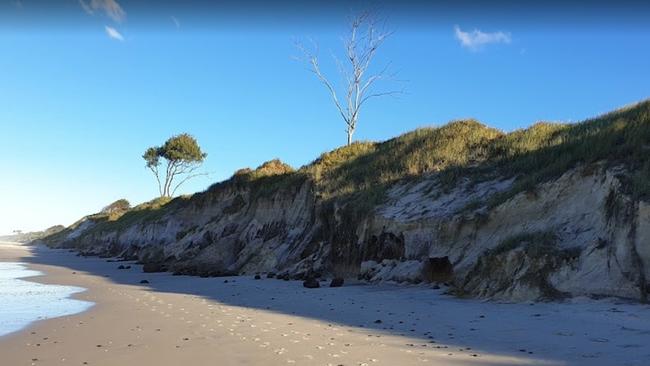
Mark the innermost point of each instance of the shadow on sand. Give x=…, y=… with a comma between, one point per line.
x=424, y=317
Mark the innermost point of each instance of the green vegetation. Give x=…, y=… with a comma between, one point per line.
x=536, y=245
x=269, y=178
x=537, y=256
x=470, y=150
x=116, y=209
x=537, y=239
x=356, y=176
x=267, y=169
x=183, y=157
x=545, y=151
x=146, y=212
x=360, y=173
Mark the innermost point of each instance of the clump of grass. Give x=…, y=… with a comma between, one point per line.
x=270, y=168
x=425, y=150
x=537, y=255
x=539, y=239
x=271, y=177
x=116, y=209
x=360, y=173
x=544, y=152
x=146, y=212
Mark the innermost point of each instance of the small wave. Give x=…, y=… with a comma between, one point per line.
x=23, y=302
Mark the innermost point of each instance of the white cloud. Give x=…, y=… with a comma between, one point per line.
x=476, y=39
x=176, y=22
x=113, y=33
x=112, y=9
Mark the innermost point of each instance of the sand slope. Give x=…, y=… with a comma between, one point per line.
x=176, y=320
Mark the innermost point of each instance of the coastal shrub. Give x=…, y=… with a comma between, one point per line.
x=269, y=168
x=116, y=209
x=146, y=212
x=120, y=205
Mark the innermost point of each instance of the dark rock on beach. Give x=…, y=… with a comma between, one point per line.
x=311, y=283
x=337, y=282
x=153, y=267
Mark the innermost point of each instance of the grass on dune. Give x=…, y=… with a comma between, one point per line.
x=359, y=174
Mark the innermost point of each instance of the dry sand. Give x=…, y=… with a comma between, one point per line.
x=180, y=320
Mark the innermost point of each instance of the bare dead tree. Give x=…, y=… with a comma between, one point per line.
x=364, y=39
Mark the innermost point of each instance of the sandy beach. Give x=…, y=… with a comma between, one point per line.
x=175, y=320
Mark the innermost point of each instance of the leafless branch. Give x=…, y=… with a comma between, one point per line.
x=188, y=177
x=365, y=37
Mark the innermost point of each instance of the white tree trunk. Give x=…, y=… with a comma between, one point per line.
x=360, y=47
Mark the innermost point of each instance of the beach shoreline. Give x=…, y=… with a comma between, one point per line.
x=241, y=321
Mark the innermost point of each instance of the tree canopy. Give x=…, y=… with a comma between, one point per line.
x=182, y=155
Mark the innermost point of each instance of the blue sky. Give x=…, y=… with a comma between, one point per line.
x=85, y=89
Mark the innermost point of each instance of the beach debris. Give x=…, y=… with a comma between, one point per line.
x=337, y=282
x=311, y=283
x=153, y=267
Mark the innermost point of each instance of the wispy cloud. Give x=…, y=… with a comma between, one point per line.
x=110, y=7
x=476, y=39
x=113, y=33
x=176, y=22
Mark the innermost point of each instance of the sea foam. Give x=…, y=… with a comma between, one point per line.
x=23, y=302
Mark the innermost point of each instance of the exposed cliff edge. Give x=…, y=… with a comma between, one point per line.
x=547, y=212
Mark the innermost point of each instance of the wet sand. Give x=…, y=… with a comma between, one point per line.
x=177, y=320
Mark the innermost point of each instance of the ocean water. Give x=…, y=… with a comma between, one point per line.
x=23, y=302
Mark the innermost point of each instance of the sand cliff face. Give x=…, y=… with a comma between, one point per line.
x=579, y=234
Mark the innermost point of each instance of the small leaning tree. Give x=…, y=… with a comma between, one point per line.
x=365, y=37
x=182, y=156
